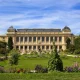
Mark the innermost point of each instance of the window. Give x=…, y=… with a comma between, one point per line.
x=34, y=47
x=17, y=47
x=51, y=47
x=34, y=39
x=25, y=39
x=39, y=48
x=56, y=47
x=38, y=38
x=60, y=39
x=25, y=47
x=30, y=39
x=47, y=39
x=21, y=39
x=42, y=39
x=21, y=47
x=60, y=47
x=30, y=47
x=47, y=47
x=42, y=47
x=55, y=39
x=17, y=39
x=51, y=39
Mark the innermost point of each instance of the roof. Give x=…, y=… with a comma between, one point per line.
x=38, y=30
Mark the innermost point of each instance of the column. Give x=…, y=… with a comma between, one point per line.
x=63, y=43
x=36, y=48
x=19, y=48
x=49, y=40
x=32, y=39
x=14, y=42
x=36, y=40
x=32, y=47
x=45, y=39
x=49, y=47
x=23, y=49
x=45, y=47
x=23, y=40
x=58, y=47
x=58, y=40
x=19, y=40
x=28, y=39
x=27, y=48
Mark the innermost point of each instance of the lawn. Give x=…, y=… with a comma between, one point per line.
x=40, y=76
x=30, y=63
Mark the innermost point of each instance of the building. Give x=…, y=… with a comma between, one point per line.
x=35, y=39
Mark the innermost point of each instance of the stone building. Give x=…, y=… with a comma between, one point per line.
x=35, y=39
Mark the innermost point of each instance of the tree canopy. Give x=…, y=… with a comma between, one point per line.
x=10, y=43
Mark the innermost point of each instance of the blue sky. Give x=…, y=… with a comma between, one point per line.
x=40, y=14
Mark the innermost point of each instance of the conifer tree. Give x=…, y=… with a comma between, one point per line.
x=55, y=63
x=10, y=43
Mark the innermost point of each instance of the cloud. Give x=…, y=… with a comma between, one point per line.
x=39, y=14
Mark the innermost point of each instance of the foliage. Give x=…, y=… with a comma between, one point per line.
x=77, y=51
x=3, y=44
x=2, y=69
x=40, y=69
x=2, y=51
x=41, y=76
x=74, y=68
x=10, y=43
x=55, y=63
x=77, y=42
x=68, y=43
x=14, y=57
x=71, y=48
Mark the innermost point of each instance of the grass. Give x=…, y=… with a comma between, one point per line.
x=39, y=76
x=30, y=63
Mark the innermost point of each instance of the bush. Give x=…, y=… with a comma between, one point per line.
x=55, y=63
x=74, y=68
x=77, y=51
x=14, y=57
x=40, y=69
x=2, y=69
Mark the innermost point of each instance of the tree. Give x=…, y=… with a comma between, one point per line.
x=77, y=42
x=71, y=48
x=14, y=57
x=3, y=49
x=10, y=43
x=68, y=43
x=3, y=44
x=55, y=63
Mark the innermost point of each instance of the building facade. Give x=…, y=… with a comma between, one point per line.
x=36, y=39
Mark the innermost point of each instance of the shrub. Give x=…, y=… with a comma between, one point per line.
x=2, y=69
x=77, y=51
x=11, y=70
x=55, y=63
x=40, y=69
x=74, y=68
x=14, y=57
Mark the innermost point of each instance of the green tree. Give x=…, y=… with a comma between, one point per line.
x=14, y=57
x=55, y=63
x=3, y=44
x=68, y=42
x=10, y=43
x=77, y=42
x=71, y=48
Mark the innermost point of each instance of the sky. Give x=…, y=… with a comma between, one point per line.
x=40, y=14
